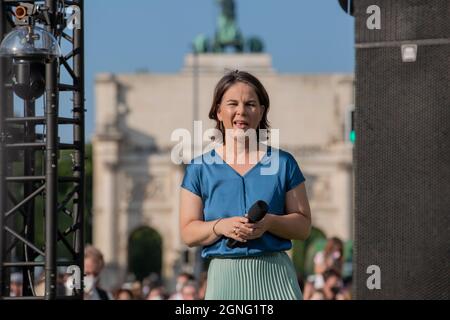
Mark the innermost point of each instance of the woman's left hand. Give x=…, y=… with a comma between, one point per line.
x=258, y=228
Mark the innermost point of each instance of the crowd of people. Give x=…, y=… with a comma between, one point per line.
x=326, y=283
x=187, y=288
x=151, y=288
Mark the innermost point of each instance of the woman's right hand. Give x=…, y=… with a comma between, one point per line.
x=233, y=228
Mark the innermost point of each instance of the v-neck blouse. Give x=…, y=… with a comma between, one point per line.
x=226, y=193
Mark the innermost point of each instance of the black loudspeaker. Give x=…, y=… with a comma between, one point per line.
x=402, y=152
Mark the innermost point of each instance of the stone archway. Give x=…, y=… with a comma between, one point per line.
x=144, y=252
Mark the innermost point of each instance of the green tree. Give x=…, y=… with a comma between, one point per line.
x=300, y=249
x=144, y=252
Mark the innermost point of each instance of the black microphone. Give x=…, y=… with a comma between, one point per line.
x=255, y=214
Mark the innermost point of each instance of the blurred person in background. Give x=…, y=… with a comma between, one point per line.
x=16, y=284
x=332, y=257
x=157, y=293
x=93, y=266
x=333, y=288
x=136, y=290
x=182, y=279
x=189, y=291
x=123, y=294
x=151, y=281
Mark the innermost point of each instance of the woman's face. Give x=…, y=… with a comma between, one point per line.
x=240, y=108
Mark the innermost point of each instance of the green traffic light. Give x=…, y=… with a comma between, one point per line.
x=352, y=136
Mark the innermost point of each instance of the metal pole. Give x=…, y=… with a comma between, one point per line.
x=3, y=199
x=6, y=110
x=28, y=188
x=51, y=164
x=78, y=135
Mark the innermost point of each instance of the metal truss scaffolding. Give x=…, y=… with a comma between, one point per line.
x=41, y=230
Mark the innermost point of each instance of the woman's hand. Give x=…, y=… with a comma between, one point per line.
x=255, y=230
x=234, y=228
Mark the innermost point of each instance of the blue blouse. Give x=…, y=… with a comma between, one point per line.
x=225, y=193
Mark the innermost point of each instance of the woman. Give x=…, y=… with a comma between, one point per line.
x=217, y=193
x=331, y=258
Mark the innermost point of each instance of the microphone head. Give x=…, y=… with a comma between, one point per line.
x=257, y=211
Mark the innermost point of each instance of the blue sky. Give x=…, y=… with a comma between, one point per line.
x=303, y=36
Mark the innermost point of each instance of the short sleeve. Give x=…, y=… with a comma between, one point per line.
x=294, y=175
x=191, y=180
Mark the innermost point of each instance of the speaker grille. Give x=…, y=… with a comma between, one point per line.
x=404, y=20
x=402, y=170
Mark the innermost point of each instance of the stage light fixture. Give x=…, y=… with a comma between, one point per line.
x=30, y=47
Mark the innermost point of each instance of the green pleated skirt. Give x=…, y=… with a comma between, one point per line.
x=267, y=277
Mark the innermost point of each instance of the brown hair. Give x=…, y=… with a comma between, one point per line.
x=334, y=244
x=226, y=82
